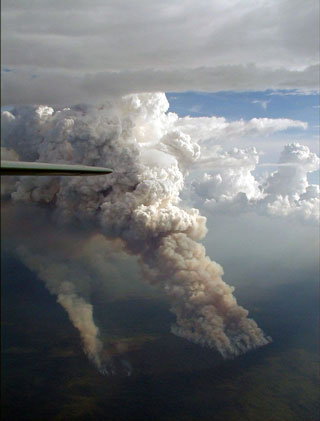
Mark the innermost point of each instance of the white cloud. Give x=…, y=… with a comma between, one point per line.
x=220, y=130
x=234, y=176
x=83, y=51
x=263, y=104
x=294, y=92
x=232, y=188
x=291, y=179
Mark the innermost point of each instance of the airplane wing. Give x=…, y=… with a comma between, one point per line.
x=41, y=168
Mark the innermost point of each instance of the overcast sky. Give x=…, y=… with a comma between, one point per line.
x=81, y=51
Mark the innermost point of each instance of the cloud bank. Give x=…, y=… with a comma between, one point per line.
x=230, y=186
x=79, y=52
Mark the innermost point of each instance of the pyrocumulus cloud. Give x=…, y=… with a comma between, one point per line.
x=138, y=203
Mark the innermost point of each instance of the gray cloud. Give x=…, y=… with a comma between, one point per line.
x=59, y=87
x=82, y=51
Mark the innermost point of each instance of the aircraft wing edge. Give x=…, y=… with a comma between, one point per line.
x=42, y=168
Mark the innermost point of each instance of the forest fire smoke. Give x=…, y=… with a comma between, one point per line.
x=138, y=203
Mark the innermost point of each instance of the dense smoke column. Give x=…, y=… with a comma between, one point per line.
x=165, y=237
x=207, y=312
x=138, y=203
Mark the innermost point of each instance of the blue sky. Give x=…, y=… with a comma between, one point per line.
x=233, y=106
x=247, y=105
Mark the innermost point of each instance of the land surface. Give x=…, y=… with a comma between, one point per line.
x=46, y=376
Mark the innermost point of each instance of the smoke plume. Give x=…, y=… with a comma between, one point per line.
x=61, y=281
x=138, y=203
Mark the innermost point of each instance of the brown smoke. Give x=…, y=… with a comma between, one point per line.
x=138, y=203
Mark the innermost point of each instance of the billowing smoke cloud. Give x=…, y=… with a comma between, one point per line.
x=138, y=203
